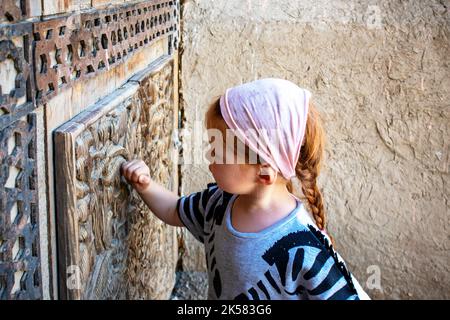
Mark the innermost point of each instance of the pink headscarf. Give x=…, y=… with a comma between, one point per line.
x=264, y=112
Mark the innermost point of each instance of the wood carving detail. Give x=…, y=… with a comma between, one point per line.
x=75, y=47
x=16, y=85
x=14, y=10
x=151, y=241
x=20, y=276
x=121, y=250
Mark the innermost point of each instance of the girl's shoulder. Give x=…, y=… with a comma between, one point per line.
x=214, y=191
x=307, y=221
x=211, y=185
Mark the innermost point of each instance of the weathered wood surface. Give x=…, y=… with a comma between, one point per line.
x=56, y=59
x=20, y=276
x=13, y=11
x=20, y=245
x=107, y=235
x=16, y=72
x=69, y=49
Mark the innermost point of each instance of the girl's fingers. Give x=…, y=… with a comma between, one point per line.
x=131, y=171
x=126, y=166
x=138, y=172
x=144, y=179
x=127, y=169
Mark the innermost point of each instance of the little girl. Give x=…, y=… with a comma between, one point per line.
x=261, y=241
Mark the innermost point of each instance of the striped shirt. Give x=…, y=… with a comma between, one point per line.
x=292, y=259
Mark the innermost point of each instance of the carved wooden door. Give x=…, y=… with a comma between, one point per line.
x=86, y=85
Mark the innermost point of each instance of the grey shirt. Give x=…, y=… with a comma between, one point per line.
x=291, y=259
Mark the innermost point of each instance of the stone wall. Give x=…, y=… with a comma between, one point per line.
x=379, y=72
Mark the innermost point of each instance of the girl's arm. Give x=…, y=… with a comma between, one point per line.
x=162, y=202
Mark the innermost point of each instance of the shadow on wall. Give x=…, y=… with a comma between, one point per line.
x=190, y=285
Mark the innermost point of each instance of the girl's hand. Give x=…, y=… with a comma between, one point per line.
x=162, y=202
x=137, y=174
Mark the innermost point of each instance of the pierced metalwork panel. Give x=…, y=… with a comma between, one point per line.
x=68, y=49
x=20, y=276
x=16, y=78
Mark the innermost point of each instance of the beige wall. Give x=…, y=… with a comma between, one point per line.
x=381, y=78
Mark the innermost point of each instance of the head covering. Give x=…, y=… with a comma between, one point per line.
x=269, y=116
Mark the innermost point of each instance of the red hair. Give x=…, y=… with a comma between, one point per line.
x=308, y=165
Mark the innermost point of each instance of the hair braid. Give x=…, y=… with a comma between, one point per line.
x=308, y=178
x=309, y=165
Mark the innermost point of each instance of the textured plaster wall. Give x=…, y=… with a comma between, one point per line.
x=380, y=74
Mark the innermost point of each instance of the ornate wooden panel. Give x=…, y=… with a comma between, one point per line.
x=71, y=48
x=14, y=10
x=20, y=276
x=111, y=246
x=16, y=72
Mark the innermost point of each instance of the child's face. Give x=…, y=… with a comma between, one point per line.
x=232, y=172
x=234, y=178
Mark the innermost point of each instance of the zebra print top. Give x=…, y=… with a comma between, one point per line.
x=291, y=259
